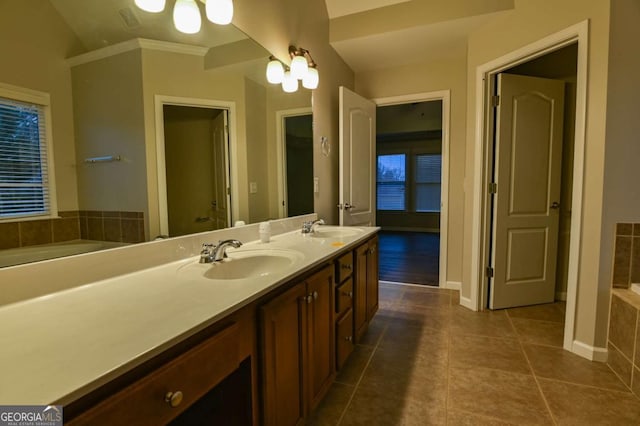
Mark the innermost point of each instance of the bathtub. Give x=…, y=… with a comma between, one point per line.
x=21, y=255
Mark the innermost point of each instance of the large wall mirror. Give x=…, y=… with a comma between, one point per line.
x=154, y=133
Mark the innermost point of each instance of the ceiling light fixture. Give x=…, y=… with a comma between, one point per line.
x=186, y=14
x=302, y=67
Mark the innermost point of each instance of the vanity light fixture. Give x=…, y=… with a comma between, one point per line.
x=275, y=71
x=186, y=14
x=302, y=67
x=153, y=6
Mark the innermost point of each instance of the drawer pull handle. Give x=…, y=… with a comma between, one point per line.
x=348, y=294
x=173, y=398
x=349, y=338
x=346, y=266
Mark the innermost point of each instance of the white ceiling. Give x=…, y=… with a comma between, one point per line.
x=405, y=32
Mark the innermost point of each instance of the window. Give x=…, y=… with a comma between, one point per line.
x=427, y=182
x=25, y=172
x=391, y=182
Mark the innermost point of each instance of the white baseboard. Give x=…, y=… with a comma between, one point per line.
x=589, y=352
x=561, y=295
x=453, y=285
x=466, y=302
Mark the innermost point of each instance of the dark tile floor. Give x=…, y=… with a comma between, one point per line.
x=427, y=361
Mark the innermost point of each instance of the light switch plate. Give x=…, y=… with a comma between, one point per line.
x=316, y=185
x=253, y=187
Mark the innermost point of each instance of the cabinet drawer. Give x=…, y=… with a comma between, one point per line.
x=344, y=296
x=192, y=374
x=344, y=267
x=344, y=338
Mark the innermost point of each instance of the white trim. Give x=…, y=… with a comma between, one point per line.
x=282, y=156
x=232, y=173
x=589, y=352
x=561, y=295
x=467, y=303
x=133, y=44
x=576, y=33
x=453, y=285
x=445, y=97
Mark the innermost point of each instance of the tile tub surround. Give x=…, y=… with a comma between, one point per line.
x=626, y=263
x=125, y=227
x=624, y=337
x=427, y=361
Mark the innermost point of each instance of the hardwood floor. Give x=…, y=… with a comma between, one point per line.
x=409, y=257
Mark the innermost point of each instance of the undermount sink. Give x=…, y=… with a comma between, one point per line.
x=245, y=264
x=325, y=231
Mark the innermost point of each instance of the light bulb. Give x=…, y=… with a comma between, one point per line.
x=299, y=67
x=219, y=11
x=153, y=6
x=186, y=16
x=311, y=79
x=289, y=82
x=275, y=72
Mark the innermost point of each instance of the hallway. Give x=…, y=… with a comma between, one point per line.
x=428, y=361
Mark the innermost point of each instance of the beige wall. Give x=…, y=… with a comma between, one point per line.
x=532, y=20
x=434, y=75
x=257, y=163
x=109, y=121
x=621, y=201
x=34, y=41
x=276, y=25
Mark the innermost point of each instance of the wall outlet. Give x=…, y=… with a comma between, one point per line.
x=253, y=187
x=316, y=185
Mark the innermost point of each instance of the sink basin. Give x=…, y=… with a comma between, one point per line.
x=335, y=232
x=245, y=264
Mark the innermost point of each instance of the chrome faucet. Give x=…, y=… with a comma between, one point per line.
x=217, y=252
x=309, y=227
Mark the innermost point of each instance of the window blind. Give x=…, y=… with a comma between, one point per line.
x=24, y=186
x=427, y=172
x=391, y=182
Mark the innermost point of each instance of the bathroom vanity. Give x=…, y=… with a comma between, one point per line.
x=180, y=341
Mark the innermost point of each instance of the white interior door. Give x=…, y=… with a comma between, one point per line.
x=527, y=168
x=357, y=203
x=220, y=202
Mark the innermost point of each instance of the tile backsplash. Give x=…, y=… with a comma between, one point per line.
x=127, y=227
x=626, y=264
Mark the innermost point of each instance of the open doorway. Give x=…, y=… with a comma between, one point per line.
x=409, y=150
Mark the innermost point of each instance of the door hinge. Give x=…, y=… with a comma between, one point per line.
x=489, y=272
x=228, y=191
x=495, y=101
x=493, y=188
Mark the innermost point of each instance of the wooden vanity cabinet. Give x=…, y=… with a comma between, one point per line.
x=297, y=346
x=168, y=392
x=344, y=308
x=366, y=285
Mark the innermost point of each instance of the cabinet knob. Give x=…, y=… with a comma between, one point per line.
x=349, y=338
x=315, y=295
x=346, y=266
x=372, y=250
x=173, y=398
x=309, y=298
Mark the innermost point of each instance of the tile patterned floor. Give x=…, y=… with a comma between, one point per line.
x=427, y=361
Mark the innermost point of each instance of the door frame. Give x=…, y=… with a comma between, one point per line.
x=578, y=33
x=230, y=153
x=445, y=97
x=281, y=153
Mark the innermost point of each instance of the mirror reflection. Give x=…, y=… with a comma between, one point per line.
x=149, y=132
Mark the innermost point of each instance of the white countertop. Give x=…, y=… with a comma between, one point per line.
x=59, y=347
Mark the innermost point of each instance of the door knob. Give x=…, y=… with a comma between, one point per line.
x=555, y=205
x=348, y=206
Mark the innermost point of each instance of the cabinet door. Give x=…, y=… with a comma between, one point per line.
x=283, y=331
x=344, y=338
x=360, y=291
x=372, y=278
x=320, y=314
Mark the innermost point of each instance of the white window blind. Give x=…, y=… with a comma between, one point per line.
x=24, y=183
x=391, y=182
x=427, y=180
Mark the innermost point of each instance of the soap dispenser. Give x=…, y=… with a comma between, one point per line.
x=264, y=230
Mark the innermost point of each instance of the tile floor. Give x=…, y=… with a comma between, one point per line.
x=427, y=361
